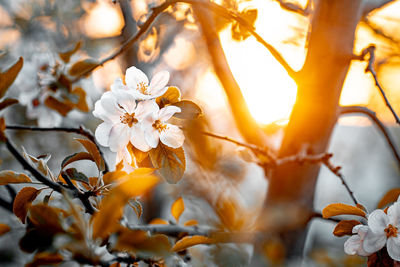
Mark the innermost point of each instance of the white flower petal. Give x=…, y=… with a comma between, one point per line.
x=103, y=133
x=374, y=242
x=138, y=139
x=146, y=108
x=361, y=230
x=172, y=136
x=152, y=137
x=394, y=214
x=393, y=247
x=158, y=82
x=124, y=156
x=134, y=76
x=119, y=137
x=118, y=85
x=352, y=245
x=126, y=100
x=377, y=221
x=99, y=112
x=110, y=105
x=167, y=112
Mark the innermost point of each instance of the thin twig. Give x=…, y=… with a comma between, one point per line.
x=349, y=110
x=370, y=50
x=212, y=6
x=81, y=131
x=317, y=215
x=292, y=7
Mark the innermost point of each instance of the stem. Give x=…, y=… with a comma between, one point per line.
x=349, y=110
x=81, y=131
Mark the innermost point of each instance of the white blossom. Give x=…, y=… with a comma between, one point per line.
x=354, y=245
x=156, y=128
x=383, y=230
x=122, y=117
x=138, y=85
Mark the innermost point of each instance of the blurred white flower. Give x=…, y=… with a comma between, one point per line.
x=354, y=245
x=384, y=230
x=156, y=128
x=122, y=118
x=138, y=85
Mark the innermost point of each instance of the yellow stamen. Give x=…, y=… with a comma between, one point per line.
x=142, y=87
x=159, y=126
x=391, y=231
x=128, y=119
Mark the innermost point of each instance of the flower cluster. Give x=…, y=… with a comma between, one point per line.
x=382, y=229
x=131, y=114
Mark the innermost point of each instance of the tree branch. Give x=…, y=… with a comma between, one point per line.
x=211, y=6
x=350, y=110
x=81, y=131
x=370, y=68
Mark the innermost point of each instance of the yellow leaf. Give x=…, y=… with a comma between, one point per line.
x=177, y=208
x=4, y=228
x=111, y=177
x=191, y=223
x=57, y=105
x=158, y=221
x=138, y=182
x=8, y=77
x=83, y=66
x=23, y=200
x=10, y=177
x=171, y=96
x=170, y=162
x=389, y=197
x=91, y=148
x=341, y=209
x=189, y=241
x=345, y=227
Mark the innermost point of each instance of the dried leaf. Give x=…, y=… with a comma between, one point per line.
x=170, y=162
x=8, y=77
x=189, y=241
x=45, y=259
x=171, y=96
x=111, y=177
x=83, y=66
x=23, y=200
x=137, y=208
x=391, y=196
x=345, y=227
x=10, y=177
x=177, y=208
x=4, y=228
x=81, y=104
x=7, y=102
x=341, y=209
x=189, y=110
x=65, y=56
x=91, y=148
x=45, y=216
x=111, y=207
x=76, y=157
x=3, y=137
x=57, y=105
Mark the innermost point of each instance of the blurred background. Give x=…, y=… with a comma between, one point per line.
x=39, y=30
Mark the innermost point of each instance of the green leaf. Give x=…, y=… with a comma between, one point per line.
x=171, y=162
x=189, y=110
x=8, y=77
x=77, y=176
x=83, y=66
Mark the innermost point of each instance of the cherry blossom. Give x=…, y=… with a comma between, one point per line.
x=156, y=128
x=122, y=117
x=354, y=245
x=138, y=85
x=384, y=231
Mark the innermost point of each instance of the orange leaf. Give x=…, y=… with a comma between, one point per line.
x=83, y=66
x=171, y=96
x=91, y=148
x=177, y=208
x=10, y=177
x=111, y=177
x=4, y=228
x=57, y=105
x=81, y=104
x=7, y=102
x=158, y=221
x=45, y=259
x=345, y=227
x=76, y=157
x=189, y=241
x=3, y=137
x=8, y=77
x=23, y=200
x=341, y=209
x=191, y=223
x=389, y=197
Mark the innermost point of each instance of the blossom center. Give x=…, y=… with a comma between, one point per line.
x=159, y=126
x=35, y=102
x=142, y=87
x=391, y=231
x=128, y=119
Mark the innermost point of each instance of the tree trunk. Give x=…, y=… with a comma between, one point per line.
x=314, y=115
